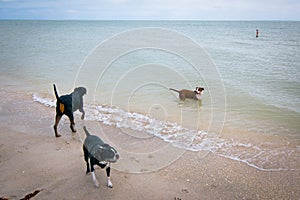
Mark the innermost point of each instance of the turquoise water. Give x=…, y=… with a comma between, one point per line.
x=251, y=84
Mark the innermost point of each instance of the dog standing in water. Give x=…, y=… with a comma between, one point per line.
x=96, y=152
x=196, y=94
x=67, y=104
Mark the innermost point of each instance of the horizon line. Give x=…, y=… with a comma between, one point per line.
x=69, y=19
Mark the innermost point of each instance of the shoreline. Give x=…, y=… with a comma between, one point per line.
x=31, y=159
x=264, y=152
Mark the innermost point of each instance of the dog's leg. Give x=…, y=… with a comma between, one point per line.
x=86, y=158
x=81, y=108
x=92, y=163
x=83, y=113
x=57, y=119
x=109, y=183
x=72, y=123
x=96, y=183
x=182, y=96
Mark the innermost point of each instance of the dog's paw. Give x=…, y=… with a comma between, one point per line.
x=109, y=184
x=73, y=128
x=96, y=183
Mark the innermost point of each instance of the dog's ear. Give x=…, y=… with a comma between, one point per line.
x=98, y=153
x=199, y=88
x=100, y=148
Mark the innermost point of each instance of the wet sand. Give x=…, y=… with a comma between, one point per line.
x=31, y=159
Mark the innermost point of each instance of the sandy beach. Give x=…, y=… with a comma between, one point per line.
x=32, y=159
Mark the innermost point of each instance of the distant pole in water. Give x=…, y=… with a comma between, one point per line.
x=257, y=32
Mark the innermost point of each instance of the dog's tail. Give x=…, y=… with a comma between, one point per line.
x=86, y=131
x=55, y=91
x=173, y=90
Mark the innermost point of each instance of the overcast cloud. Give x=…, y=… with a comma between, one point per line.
x=151, y=9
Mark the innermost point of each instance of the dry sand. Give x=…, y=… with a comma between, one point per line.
x=31, y=159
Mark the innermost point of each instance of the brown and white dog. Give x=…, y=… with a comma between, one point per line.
x=196, y=94
x=67, y=104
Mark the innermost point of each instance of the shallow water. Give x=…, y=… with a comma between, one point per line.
x=251, y=84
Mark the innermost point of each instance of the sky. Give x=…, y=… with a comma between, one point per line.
x=151, y=9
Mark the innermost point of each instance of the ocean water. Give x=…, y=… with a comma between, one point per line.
x=250, y=108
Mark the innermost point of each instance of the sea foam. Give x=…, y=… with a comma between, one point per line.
x=260, y=156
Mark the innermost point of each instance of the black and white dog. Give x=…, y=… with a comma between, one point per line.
x=96, y=152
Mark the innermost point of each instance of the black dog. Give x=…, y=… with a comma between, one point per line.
x=96, y=152
x=67, y=104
